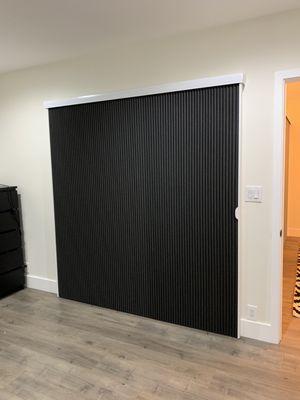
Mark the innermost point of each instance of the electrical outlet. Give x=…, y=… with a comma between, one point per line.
x=252, y=312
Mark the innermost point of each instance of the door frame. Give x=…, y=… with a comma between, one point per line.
x=275, y=303
x=286, y=175
x=230, y=79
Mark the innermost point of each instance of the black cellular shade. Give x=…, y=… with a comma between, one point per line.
x=145, y=192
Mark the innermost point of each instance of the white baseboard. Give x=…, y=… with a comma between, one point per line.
x=249, y=329
x=45, y=284
x=293, y=232
x=258, y=330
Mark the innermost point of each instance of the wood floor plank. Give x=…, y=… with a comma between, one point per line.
x=52, y=348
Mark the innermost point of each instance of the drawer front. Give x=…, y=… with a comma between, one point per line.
x=9, y=220
x=8, y=200
x=9, y=241
x=12, y=281
x=11, y=260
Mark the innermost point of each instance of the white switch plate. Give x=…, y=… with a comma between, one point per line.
x=254, y=194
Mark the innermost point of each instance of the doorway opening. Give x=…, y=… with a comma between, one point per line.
x=291, y=226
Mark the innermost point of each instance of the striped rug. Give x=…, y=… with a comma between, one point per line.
x=296, y=307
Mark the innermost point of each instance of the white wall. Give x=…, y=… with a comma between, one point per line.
x=258, y=48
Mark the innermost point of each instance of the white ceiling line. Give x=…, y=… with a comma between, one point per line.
x=165, y=88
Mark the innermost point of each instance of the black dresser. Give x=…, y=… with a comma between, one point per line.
x=12, y=274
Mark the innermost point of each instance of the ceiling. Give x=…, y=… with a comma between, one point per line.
x=34, y=32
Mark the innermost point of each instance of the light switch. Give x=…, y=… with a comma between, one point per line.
x=254, y=194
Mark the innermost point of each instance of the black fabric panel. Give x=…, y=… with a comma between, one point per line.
x=145, y=191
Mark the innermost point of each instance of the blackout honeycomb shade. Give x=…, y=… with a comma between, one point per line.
x=145, y=191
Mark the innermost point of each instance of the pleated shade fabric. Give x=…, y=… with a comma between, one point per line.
x=145, y=191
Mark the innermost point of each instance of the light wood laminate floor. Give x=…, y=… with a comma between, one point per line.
x=52, y=348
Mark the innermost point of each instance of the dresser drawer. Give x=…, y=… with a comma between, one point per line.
x=12, y=281
x=9, y=241
x=9, y=220
x=11, y=260
x=8, y=200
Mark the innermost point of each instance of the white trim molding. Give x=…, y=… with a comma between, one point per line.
x=275, y=300
x=165, y=88
x=257, y=330
x=40, y=283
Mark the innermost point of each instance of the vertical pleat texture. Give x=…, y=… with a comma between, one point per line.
x=145, y=192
